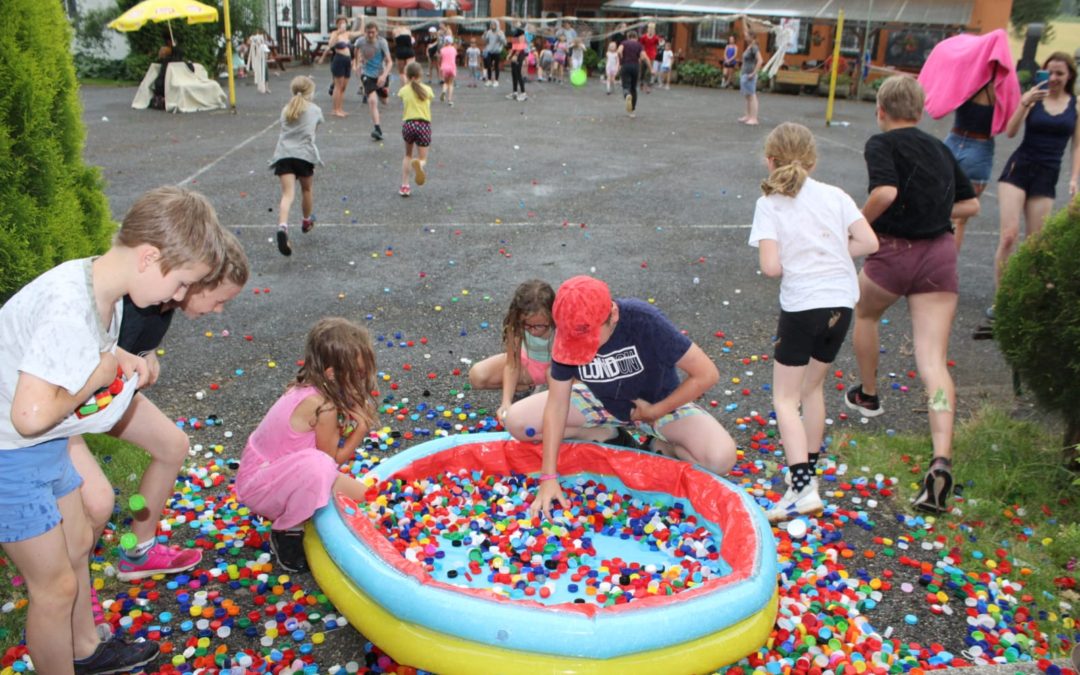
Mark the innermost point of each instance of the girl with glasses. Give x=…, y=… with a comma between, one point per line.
x=528, y=331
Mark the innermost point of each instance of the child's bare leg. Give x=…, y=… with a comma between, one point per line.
x=288, y=193
x=59, y=622
x=406, y=164
x=787, y=392
x=488, y=374
x=350, y=487
x=147, y=427
x=307, y=196
x=813, y=404
x=96, y=491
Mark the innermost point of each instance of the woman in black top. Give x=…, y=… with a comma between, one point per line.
x=403, y=49
x=340, y=45
x=631, y=56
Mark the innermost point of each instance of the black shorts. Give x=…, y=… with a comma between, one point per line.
x=814, y=333
x=404, y=54
x=298, y=167
x=341, y=66
x=371, y=84
x=1037, y=180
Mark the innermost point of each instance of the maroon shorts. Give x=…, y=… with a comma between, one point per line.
x=416, y=132
x=913, y=266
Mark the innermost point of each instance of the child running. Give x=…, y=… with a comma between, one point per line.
x=807, y=233
x=448, y=69
x=295, y=157
x=528, y=331
x=415, y=126
x=289, y=468
x=611, y=67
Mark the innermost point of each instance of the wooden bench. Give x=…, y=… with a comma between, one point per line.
x=796, y=79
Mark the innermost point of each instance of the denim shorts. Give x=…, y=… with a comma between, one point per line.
x=975, y=156
x=747, y=84
x=31, y=480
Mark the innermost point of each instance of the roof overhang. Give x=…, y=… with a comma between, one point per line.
x=932, y=12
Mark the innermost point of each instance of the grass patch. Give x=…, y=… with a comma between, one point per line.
x=123, y=464
x=1016, y=495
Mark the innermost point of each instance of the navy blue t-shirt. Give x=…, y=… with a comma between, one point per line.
x=638, y=361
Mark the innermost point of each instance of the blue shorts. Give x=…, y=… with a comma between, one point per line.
x=975, y=156
x=747, y=84
x=31, y=480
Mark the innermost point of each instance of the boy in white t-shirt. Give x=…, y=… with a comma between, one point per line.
x=60, y=375
x=472, y=60
x=807, y=233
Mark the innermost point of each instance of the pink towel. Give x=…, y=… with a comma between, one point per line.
x=960, y=66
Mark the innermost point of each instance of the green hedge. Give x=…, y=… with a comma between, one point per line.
x=699, y=74
x=1037, y=323
x=52, y=207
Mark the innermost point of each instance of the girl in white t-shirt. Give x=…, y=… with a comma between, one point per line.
x=807, y=233
x=611, y=67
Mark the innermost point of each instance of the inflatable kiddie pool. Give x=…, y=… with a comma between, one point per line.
x=437, y=613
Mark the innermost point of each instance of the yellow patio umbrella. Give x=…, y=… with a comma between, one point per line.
x=167, y=10
x=164, y=10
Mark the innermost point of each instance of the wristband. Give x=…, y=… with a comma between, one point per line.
x=548, y=476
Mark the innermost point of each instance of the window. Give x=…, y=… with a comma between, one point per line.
x=524, y=8
x=481, y=9
x=307, y=16
x=713, y=31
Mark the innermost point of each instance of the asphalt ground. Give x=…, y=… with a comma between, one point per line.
x=563, y=184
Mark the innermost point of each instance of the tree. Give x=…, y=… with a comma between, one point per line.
x=52, y=207
x=1038, y=320
x=1033, y=11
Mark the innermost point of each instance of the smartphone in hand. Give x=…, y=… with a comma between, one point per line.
x=1041, y=76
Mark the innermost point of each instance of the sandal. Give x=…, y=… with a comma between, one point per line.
x=307, y=224
x=937, y=487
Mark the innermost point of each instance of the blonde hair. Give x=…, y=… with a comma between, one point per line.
x=901, y=97
x=303, y=90
x=343, y=346
x=181, y=224
x=413, y=72
x=234, y=270
x=792, y=149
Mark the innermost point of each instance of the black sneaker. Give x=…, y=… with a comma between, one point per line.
x=937, y=488
x=117, y=656
x=283, y=242
x=288, y=548
x=376, y=134
x=625, y=439
x=868, y=406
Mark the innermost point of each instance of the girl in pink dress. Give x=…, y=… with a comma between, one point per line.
x=289, y=467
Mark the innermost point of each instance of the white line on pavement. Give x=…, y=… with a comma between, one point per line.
x=227, y=153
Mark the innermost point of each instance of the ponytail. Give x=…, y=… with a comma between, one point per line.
x=786, y=180
x=303, y=88
x=792, y=150
x=413, y=72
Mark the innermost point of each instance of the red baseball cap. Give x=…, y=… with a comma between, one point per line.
x=582, y=306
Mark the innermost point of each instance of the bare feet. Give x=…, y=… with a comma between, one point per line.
x=339, y=113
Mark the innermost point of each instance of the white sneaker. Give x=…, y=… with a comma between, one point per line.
x=495, y=83
x=794, y=503
x=487, y=83
x=512, y=97
x=522, y=96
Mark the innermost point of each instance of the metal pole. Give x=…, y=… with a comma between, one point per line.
x=228, y=58
x=835, y=64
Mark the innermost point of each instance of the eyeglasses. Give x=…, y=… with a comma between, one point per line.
x=536, y=326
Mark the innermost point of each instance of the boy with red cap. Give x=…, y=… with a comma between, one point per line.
x=615, y=364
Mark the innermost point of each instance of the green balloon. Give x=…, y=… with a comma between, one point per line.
x=578, y=77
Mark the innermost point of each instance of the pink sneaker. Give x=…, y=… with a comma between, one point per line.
x=160, y=560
